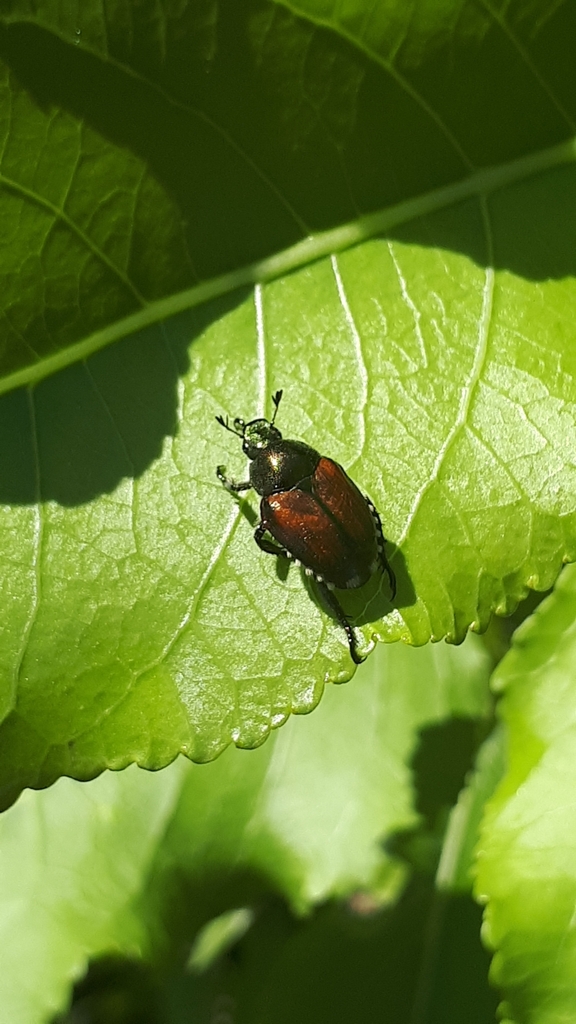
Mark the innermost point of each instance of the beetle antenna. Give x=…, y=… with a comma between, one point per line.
x=224, y=423
x=276, y=399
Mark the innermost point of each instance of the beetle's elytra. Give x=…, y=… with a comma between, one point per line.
x=313, y=512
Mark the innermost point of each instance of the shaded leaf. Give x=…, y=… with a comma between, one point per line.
x=88, y=870
x=456, y=868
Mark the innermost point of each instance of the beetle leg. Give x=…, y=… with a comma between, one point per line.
x=333, y=603
x=229, y=484
x=384, y=563
x=267, y=545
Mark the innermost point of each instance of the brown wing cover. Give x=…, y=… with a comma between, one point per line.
x=334, y=488
x=328, y=527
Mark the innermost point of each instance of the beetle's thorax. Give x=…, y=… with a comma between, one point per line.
x=282, y=466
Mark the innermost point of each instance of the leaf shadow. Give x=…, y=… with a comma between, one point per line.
x=440, y=764
x=180, y=119
x=78, y=433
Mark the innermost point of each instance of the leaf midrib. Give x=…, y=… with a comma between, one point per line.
x=315, y=247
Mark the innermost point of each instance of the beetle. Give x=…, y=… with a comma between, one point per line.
x=312, y=510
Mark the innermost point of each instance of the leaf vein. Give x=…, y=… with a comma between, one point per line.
x=411, y=305
x=498, y=459
x=388, y=67
x=59, y=214
x=38, y=544
x=527, y=59
x=196, y=596
x=465, y=402
x=358, y=352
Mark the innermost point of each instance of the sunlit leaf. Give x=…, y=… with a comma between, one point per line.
x=526, y=854
x=155, y=165
x=72, y=861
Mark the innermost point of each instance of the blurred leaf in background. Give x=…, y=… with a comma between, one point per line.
x=138, y=864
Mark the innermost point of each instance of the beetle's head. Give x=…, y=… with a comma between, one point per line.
x=257, y=435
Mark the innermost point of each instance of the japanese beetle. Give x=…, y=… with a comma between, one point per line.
x=312, y=510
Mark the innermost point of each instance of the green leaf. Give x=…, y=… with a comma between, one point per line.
x=217, y=936
x=526, y=852
x=364, y=233
x=311, y=809
x=92, y=869
x=456, y=869
x=72, y=860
